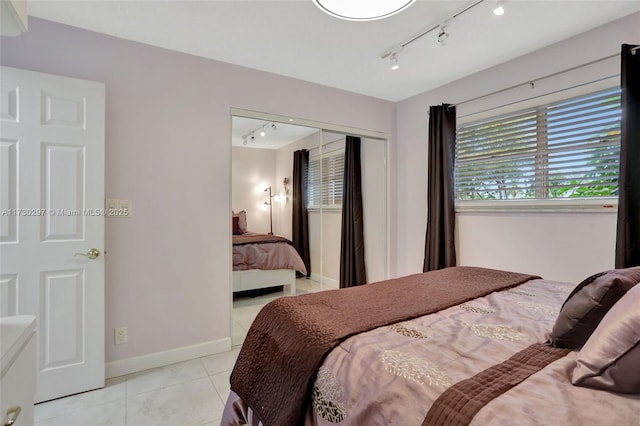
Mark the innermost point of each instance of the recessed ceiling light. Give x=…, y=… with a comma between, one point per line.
x=362, y=10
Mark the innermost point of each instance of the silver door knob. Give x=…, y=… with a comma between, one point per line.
x=91, y=254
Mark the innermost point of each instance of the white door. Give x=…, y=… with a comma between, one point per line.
x=51, y=207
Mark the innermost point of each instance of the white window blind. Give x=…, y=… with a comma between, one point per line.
x=567, y=149
x=326, y=176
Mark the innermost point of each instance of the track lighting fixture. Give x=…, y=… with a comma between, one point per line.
x=443, y=35
x=250, y=136
x=499, y=9
x=439, y=25
x=394, y=61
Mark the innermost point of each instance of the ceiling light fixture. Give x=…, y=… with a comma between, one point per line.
x=251, y=134
x=438, y=25
x=273, y=127
x=499, y=9
x=394, y=61
x=443, y=36
x=362, y=10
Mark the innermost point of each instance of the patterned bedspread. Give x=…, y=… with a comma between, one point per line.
x=268, y=252
x=392, y=375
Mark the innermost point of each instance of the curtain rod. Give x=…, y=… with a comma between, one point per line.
x=540, y=96
x=532, y=82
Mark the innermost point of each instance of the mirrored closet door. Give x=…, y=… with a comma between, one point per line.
x=267, y=189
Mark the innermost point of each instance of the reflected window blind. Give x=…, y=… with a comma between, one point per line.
x=567, y=149
x=326, y=176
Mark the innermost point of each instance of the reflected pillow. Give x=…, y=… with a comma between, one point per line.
x=610, y=359
x=242, y=220
x=235, y=220
x=587, y=305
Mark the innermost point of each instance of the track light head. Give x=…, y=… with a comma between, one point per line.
x=499, y=9
x=253, y=138
x=394, y=61
x=273, y=126
x=443, y=36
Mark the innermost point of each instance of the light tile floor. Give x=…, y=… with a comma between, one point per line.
x=189, y=393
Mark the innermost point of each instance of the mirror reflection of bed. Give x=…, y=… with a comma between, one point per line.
x=266, y=264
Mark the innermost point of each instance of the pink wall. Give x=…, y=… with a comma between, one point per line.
x=168, y=150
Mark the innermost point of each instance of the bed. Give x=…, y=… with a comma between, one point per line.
x=262, y=260
x=458, y=346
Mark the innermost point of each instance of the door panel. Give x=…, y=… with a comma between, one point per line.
x=52, y=205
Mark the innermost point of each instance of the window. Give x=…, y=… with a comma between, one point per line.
x=567, y=149
x=325, y=185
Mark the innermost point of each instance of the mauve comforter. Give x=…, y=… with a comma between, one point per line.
x=392, y=375
x=261, y=251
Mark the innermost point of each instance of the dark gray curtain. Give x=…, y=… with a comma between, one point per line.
x=440, y=250
x=628, y=233
x=352, y=266
x=300, y=219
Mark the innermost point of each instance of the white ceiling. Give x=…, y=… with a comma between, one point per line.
x=294, y=38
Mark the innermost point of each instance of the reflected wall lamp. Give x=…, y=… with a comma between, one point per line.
x=270, y=204
x=362, y=10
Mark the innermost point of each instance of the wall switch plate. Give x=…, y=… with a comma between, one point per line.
x=112, y=205
x=125, y=209
x=120, y=335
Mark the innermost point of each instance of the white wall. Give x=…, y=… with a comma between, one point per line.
x=374, y=195
x=168, y=150
x=563, y=246
x=252, y=170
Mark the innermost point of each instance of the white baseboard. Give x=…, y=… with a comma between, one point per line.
x=327, y=282
x=160, y=359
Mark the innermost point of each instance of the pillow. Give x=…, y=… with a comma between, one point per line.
x=610, y=359
x=235, y=220
x=242, y=220
x=587, y=305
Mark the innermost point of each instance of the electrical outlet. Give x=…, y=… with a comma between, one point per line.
x=120, y=335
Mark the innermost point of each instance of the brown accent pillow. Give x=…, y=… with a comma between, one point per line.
x=242, y=220
x=588, y=303
x=610, y=359
x=235, y=220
